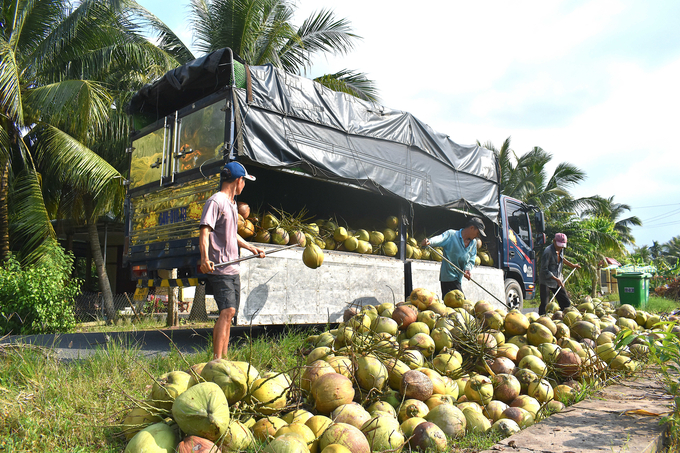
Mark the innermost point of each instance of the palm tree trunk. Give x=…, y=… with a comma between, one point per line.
x=198, y=310
x=4, y=212
x=104, y=285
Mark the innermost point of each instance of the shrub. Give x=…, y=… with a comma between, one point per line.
x=38, y=299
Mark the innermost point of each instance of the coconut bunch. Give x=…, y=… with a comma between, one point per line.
x=416, y=374
x=483, y=257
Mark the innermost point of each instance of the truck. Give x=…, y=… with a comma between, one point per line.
x=318, y=151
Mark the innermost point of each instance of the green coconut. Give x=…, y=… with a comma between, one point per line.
x=269, y=222
x=389, y=234
x=313, y=371
x=352, y=414
x=157, y=438
x=168, y=387
x=383, y=433
x=265, y=428
x=384, y=405
x=376, y=238
x=476, y=422
x=479, y=389
x=364, y=247
x=287, y=443
x=340, y=234
x=280, y=236
x=312, y=256
x=269, y=395
x=449, y=418
x=371, y=373
x=392, y=222
x=505, y=427
x=331, y=391
x=238, y=438
x=412, y=408
x=351, y=244
x=229, y=376
x=362, y=235
x=346, y=435
x=390, y=248
x=262, y=236
x=202, y=411
x=138, y=419
x=301, y=430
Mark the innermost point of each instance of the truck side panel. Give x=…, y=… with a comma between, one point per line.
x=281, y=289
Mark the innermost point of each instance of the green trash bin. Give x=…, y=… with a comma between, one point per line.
x=634, y=288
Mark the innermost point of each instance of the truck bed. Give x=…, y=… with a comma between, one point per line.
x=280, y=289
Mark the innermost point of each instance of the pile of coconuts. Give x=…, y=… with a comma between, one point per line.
x=417, y=375
x=282, y=228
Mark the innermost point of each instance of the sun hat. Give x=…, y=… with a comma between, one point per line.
x=234, y=170
x=477, y=222
x=561, y=240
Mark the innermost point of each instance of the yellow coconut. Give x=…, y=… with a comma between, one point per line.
x=312, y=256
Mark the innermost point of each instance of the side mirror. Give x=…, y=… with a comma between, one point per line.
x=540, y=239
x=539, y=219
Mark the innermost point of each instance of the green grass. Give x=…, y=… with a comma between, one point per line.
x=654, y=305
x=51, y=406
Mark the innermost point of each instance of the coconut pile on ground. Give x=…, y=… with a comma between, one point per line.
x=420, y=374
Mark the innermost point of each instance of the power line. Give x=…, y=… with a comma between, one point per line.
x=662, y=216
x=654, y=206
x=659, y=225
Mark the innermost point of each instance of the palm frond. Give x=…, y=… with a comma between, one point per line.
x=92, y=24
x=321, y=32
x=30, y=227
x=10, y=87
x=69, y=161
x=350, y=82
x=78, y=105
x=166, y=39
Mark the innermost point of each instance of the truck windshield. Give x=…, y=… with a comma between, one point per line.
x=519, y=222
x=201, y=137
x=146, y=159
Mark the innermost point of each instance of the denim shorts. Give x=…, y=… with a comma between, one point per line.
x=227, y=290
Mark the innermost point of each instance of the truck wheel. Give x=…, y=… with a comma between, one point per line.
x=513, y=294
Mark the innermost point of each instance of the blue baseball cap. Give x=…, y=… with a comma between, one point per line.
x=235, y=170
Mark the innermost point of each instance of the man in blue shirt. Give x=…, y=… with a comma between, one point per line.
x=460, y=247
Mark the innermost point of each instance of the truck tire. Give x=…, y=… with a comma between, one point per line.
x=513, y=294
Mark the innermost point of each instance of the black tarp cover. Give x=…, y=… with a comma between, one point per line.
x=183, y=85
x=295, y=122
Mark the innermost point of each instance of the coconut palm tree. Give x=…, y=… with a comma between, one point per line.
x=54, y=105
x=607, y=208
x=671, y=251
x=261, y=31
x=526, y=178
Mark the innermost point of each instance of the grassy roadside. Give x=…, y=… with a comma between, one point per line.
x=52, y=406
x=654, y=305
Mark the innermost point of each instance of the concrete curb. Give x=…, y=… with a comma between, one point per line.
x=600, y=424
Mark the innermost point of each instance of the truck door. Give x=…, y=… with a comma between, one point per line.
x=518, y=246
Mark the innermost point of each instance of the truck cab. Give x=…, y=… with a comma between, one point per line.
x=517, y=250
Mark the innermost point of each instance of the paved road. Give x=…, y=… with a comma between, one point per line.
x=73, y=346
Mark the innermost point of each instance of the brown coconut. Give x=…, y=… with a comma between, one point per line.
x=404, y=316
x=568, y=364
x=195, y=444
x=416, y=385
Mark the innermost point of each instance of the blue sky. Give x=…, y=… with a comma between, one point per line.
x=595, y=83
